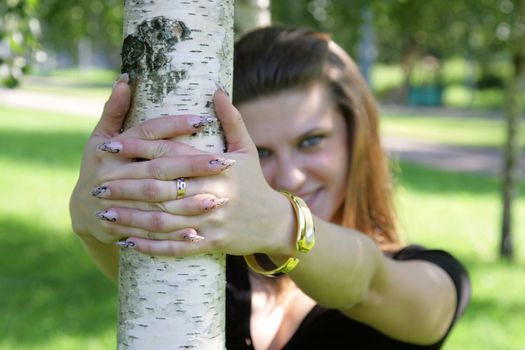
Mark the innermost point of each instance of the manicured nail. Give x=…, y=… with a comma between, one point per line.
x=192, y=237
x=124, y=78
x=213, y=203
x=101, y=192
x=110, y=147
x=107, y=215
x=220, y=164
x=221, y=87
x=126, y=244
x=198, y=122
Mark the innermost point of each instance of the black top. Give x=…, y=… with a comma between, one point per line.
x=324, y=328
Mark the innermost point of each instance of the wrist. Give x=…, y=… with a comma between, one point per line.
x=283, y=236
x=303, y=241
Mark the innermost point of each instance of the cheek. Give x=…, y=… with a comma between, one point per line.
x=268, y=171
x=334, y=159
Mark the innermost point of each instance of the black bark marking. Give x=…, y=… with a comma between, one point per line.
x=145, y=55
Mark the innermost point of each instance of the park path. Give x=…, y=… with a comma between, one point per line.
x=445, y=157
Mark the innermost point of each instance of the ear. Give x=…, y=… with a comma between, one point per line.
x=237, y=137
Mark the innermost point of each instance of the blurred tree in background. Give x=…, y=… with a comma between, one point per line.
x=19, y=29
x=80, y=30
x=419, y=37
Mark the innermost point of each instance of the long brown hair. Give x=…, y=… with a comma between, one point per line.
x=273, y=59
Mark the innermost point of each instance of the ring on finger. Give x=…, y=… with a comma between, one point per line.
x=181, y=187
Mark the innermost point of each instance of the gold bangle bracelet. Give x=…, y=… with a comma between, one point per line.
x=288, y=266
x=305, y=240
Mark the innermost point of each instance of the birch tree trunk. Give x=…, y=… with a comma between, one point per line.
x=175, y=52
x=250, y=14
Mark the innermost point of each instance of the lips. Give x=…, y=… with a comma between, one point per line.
x=310, y=197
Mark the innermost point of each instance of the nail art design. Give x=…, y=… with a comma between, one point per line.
x=213, y=203
x=124, y=78
x=200, y=121
x=125, y=244
x=220, y=164
x=221, y=201
x=101, y=192
x=107, y=215
x=110, y=147
x=192, y=237
x=221, y=87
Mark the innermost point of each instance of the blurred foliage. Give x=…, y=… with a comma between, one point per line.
x=409, y=32
x=18, y=35
x=406, y=31
x=66, y=23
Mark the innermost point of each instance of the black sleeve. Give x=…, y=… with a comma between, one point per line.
x=451, y=266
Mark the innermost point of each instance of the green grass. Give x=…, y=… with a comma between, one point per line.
x=94, y=83
x=461, y=213
x=53, y=297
x=468, y=131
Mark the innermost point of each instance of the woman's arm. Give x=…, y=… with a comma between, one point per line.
x=411, y=301
x=110, y=156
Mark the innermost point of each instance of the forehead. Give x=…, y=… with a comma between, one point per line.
x=290, y=112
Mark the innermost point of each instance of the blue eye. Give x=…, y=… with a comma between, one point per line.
x=263, y=152
x=311, y=141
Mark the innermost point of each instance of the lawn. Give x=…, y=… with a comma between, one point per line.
x=472, y=130
x=54, y=298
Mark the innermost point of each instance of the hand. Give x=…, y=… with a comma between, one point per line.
x=110, y=155
x=255, y=219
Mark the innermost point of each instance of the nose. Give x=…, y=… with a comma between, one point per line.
x=290, y=175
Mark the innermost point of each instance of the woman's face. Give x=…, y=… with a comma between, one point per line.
x=303, y=146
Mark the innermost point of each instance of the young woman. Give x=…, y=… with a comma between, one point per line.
x=309, y=127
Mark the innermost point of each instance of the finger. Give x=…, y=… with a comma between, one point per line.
x=192, y=205
x=171, y=168
x=149, y=221
x=237, y=137
x=142, y=149
x=184, y=234
x=115, y=109
x=166, y=127
x=168, y=247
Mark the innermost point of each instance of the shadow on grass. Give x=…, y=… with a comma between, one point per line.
x=425, y=179
x=49, y=286
x=497, y=290
x=48, y=148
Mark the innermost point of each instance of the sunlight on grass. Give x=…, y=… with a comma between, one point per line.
x=461, y=214
x=53, y=297
x=467, y=131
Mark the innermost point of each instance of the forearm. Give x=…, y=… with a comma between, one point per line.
x=341, y=269
x=104, y=255
x=411, y=301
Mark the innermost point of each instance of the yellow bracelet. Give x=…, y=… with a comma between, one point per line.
x=305, y=238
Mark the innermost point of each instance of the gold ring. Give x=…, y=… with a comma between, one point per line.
x=181, y=187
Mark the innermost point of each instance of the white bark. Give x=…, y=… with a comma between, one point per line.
x=251, y=14
x=175, y=52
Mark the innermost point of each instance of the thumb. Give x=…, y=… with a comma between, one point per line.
x=115, y=109
x=237, y=137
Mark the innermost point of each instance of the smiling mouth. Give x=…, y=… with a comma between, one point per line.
x=311, y=197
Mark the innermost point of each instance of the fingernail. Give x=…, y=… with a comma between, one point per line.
x=101, y=192
x=110, y=147
x=199, y=121
x=213, y=203
x=107, y=215
x=192, y=237
x=126, y=244
x=220, y=164
x=221, y=87
x=124, y=78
